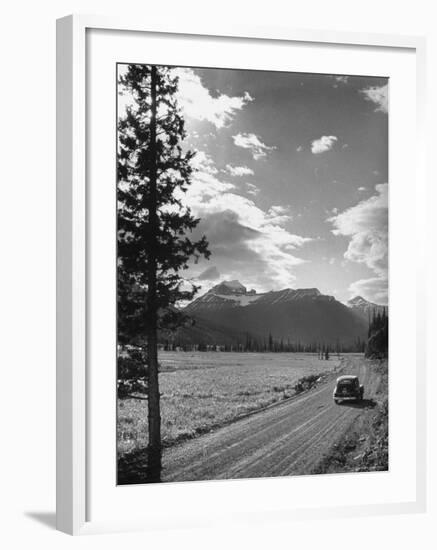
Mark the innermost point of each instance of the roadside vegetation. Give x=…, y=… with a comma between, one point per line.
x=377, y=341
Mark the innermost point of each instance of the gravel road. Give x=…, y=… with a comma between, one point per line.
x=287, y=439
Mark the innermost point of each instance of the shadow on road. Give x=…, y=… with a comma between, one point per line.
x=363, y=404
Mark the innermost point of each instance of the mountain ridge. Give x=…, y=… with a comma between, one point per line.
x=298, y=315
x=234, y=294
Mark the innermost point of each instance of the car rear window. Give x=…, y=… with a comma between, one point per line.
x=346, y=383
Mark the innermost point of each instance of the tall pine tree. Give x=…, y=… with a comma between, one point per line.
x=154, y=226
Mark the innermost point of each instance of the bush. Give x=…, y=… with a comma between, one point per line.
x=306, y=383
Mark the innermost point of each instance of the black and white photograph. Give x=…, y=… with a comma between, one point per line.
x=252, y=274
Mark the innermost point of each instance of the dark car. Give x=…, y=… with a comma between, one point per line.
x=348, y=388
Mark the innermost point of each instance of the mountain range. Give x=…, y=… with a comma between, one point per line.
x=229, y=312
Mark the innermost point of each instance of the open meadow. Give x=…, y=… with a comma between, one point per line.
x=203, y=390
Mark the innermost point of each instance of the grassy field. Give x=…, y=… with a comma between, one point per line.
x=202, y=390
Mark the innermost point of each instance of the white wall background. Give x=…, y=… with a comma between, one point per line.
x=27, y=289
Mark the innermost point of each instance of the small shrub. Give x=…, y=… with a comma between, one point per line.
x=306, y=383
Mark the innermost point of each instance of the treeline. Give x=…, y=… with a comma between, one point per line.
x=377, y=336
x=267, y=344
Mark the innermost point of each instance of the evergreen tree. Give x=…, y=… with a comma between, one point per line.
x=377, y=343
x=270, y=342
x=154, y=245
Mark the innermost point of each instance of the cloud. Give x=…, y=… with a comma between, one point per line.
x=377, y=95
x=253, y=143
x=279, y=214
x=374, y=289
x=210, y=274
x=197, y=102
x=205, y=182
x=239, y=171
x=366, y=225
x=299, y=149
x=279, y=209
x=323, y=144
x=262, y=256
x=225, y=229
x=361, y=189
x=246, y=242
x=252, y=189
x=203, y=162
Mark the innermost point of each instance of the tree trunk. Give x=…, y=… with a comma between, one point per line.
x=154, y=448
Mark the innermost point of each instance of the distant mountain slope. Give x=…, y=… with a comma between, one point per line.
x=364, y=308
x=302, y=315
x=224, y=295
x=203, y=332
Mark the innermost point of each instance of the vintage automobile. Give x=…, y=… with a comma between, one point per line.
x=348, y=388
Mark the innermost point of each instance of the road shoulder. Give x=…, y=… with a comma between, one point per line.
x=364, y=446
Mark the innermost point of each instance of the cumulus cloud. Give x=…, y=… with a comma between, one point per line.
x=377, y=95
x=246, y=242
x=203, y=162
x=366, y=225
x=205, y=182
x=361, y=189
x=197, y=102
x=323, y=144
x=299, y=149
x=253, y=143
x=239, y=171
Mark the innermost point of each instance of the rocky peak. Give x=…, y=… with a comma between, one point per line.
x=229, y=287
x=357, y=301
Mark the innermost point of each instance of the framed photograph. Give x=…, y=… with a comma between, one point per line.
x=240, y=301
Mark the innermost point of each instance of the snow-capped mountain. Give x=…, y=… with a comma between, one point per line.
x=304, y=315
x=363, y=307
x=224, y=295
x=228, y=294
x=230, y=287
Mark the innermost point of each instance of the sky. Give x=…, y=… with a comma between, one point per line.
x=290, y=181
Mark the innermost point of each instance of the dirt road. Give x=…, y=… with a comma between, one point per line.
x=287, y=439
